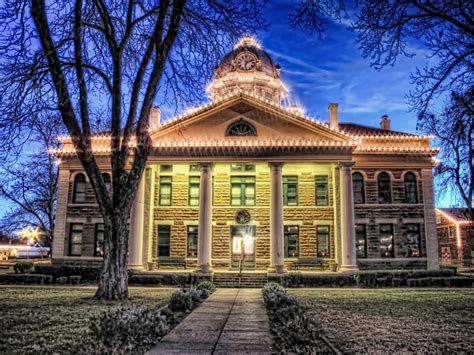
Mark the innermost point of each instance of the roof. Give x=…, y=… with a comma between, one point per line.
x=354, y=129
x=457, y=214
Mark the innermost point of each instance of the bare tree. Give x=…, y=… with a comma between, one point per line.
x=99, y=58
x=29, y=184
x=454, y=130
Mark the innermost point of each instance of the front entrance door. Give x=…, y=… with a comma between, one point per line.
x=242, y=247
x=446, y=256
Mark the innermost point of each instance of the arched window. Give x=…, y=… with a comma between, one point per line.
x=107, y=181
x=241, y=128
x=411, y=195
x=79, y=188
x=358, y=187
x=384, y=188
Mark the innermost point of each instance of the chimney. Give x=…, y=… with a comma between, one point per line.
x=385, y=123
x=155, y=115
x=333, y=116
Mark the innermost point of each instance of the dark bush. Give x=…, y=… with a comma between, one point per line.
x=25, y=279
x=62, y=280
x=439, y=281
x=129, y=330
x=385, y=278
x=423, y=282
x=24, y=267
x=181, y=301
x=207, y=285
x=459, y=281
x=412, y=283
x=75, y=279
x=87, y=272
x=297, y=279
x=143, y=279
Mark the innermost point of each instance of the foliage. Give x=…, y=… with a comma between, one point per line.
x=396, y=277
x=181, y=301
x=87, y=272
x=19, y=279
x=294, y=332
x=206, y=286
x=297, y=279
x=131, y=329
x=457, y=281
x=24, y=267
x=144, y=279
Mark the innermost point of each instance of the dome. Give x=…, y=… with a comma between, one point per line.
x=248, y=44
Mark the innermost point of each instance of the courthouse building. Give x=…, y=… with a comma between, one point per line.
x=247, y=182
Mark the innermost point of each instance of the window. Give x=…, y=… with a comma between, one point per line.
x=358, y=187
x=387, y=243
x=194, y=168
x=192, y=241
x=384, y=188
x=322, y=191
x=99, y=239
x=411, y=195
x=451, y=232
x=322, y=239
x=165, y=191
x=290, y=190
x=242, y=168
x=164, y=233
x=242, y=191
x=413, y=240
x=291, y=241
x=166, y=168
x=75, y=239
x=361, y=240
x=241, y=128
x=193, y=198
x=79, y=194
x=107, y=181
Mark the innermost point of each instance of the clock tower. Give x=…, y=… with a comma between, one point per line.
x=250, y=69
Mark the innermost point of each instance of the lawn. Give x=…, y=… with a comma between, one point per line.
x=394, y=321
x=53, y=319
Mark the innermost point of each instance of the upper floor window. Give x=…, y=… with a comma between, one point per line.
x=384, y=188
x=244, y=168
x=166, y=168
x=411, y=195
x=241, y=128
x=242, y=191
x=193, y=197
x=358, y=187
x=79, y=192
x=290, y=190
x=165, y=191
x=107, y=181
x=322, y=198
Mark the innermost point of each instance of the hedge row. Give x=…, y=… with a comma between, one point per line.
x=297, y=279
x=181, y=280
x=87, y=272
x=397, y=278
x=38, y=279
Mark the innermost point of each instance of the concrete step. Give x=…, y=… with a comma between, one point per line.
x=250, y=280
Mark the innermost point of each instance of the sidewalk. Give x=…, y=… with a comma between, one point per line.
x=230, y=321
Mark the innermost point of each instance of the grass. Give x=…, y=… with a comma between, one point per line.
x=394, y=321
x=53, y=319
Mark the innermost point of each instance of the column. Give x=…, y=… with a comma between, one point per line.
x=61, y=214
x=431, y=233
x=136, y=228
x=348, y=248
x=277, y=256
x=205, y=219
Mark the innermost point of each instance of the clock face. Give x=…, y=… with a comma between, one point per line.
x=246, y=62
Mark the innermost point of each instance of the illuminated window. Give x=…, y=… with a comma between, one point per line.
x=384, y=188
x=387, y=242
x=358, y=187
x=99, y=239
x=241, y=128
x=361, y=241
x=242, y=168
x=322, y=239
x=290, y=190
x=192, y=241
x=107, y=181
x=165, y=191
x=243, y=191
x=79, y=194
x=322, y=191
x=411, y=195
x=75, y=239
x=193, y=197
x=166, y=168
x=164, y=236
x=413, y=240
x=291, y=241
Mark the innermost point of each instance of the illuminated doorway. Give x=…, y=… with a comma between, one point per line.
x=242, y=247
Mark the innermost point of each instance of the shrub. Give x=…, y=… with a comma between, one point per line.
x=87, y=272
x=297, y=279
x=61, y=280
x=207, y=285
x=24, y=267
x=25, y=279
x=196, y=296
x=143, y=279
x=385, y=278
x=129, y=330
x=460, y=281
x=181, y=301
x=412, y=283
x=75, y=279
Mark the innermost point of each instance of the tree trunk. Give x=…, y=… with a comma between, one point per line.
x=113, y=282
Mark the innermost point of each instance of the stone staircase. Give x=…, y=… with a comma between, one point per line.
x=236, y=280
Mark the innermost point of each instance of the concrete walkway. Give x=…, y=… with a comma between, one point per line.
x=230, y=321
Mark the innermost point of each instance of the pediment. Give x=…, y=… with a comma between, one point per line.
x=271, y=123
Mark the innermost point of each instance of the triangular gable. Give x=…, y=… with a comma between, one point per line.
x=271, y=122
